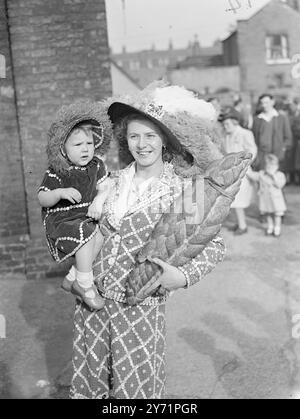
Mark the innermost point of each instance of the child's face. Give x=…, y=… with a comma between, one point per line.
x=271, y=167
x=80, y=147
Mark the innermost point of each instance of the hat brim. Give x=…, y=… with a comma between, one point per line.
x=231, y=114
x=235, y=118
x=119, y=110
x=92, y=121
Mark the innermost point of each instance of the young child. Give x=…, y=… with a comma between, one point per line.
x=271, y=200
x=74, y=188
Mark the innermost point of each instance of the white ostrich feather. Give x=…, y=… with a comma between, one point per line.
x=175, y=99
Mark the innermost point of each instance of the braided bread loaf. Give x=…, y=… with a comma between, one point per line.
x=175, y=239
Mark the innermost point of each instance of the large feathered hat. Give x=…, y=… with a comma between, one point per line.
x=93, y=113
x=186, y=121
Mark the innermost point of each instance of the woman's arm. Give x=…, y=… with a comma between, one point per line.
x=203, y=264
x=254, y=176
x=250, y=145
x=173, y=278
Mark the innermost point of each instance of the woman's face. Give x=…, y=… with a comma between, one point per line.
x=229, y=126
x=145, y=142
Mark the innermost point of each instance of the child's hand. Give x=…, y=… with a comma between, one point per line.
x=94, y=212
x=270, y=173
x=70, y=194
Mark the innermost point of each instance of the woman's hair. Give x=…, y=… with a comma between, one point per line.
x=272, y=159
x=268, y=95
x=120, y=134
x=233, y=120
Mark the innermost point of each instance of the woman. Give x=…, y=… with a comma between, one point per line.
x=239, y=139
x=119, y=352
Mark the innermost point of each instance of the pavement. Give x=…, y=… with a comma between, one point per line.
x=235, y=335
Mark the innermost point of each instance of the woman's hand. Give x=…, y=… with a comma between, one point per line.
x=171, y=277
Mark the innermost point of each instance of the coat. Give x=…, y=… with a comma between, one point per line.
x=274, y=138
x=241, y=140
x=270, y=196
x=295, y=123
x=66, y=225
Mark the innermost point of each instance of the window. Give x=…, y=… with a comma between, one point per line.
x=293, y=3
x=134, y=65
x=277, y=49
x=149, y=64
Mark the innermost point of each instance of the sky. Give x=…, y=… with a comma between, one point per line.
x=138, y=24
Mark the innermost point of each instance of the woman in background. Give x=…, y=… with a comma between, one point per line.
x=239, y=139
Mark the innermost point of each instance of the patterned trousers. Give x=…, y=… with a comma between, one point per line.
x=119, y=352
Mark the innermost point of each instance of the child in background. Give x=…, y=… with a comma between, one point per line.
x=271, y=200
x=74, y=188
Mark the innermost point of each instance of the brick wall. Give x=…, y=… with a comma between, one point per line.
x=12, y=196
x=60, y=54
x=13, y=220
x=256, y=74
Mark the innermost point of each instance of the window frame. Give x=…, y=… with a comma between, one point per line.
x=284, y=48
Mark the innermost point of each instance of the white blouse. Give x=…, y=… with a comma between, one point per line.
x=130, y=194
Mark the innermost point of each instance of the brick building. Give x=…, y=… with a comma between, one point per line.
x=264, y=46
x=55, y=52
x=258, y=55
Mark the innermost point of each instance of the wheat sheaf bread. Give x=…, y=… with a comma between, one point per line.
x=174, y=239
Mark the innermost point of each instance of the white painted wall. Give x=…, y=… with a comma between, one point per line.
x=120, y=82
x=200, y=79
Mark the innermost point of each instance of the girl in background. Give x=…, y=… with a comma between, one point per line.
x=271, y=200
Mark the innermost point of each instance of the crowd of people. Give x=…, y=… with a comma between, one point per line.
x=272, y=135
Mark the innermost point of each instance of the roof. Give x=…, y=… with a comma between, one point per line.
x=248, y=13
x=132, y=79
x=201, y=61
x=149, y=53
